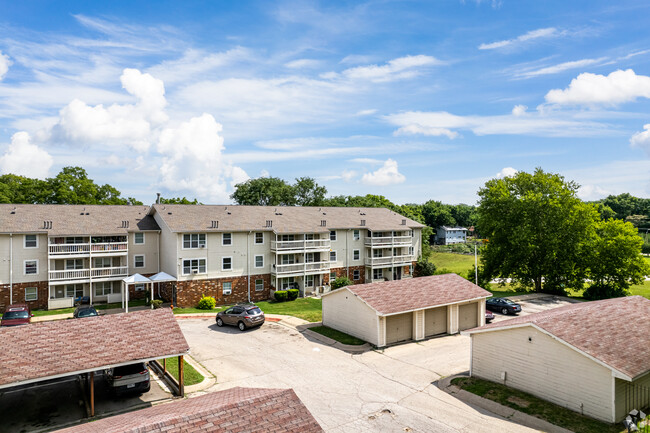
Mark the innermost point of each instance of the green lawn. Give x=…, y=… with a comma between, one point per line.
x=190, y=375
x=641, y=289
x=136, y=303
x=534, y=406
x=309, y=309
x=457, y=263
x=197, y=311
x=339, y=336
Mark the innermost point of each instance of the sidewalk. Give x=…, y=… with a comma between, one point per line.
x=101, y=313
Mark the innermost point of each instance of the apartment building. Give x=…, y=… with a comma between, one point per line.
x=451, y=235
x=54, y=254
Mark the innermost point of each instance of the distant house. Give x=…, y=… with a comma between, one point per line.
x=451, y=235
x=590, y=357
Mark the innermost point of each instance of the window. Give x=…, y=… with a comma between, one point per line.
x=102, y=289
x=355, y=235
x=193, y=266
x=138, y=239
x=259, y=238
x=226, y=264
x=309, y=237
x=227, y=288
x=31, y=293
x=377, y=274
x=332, y=256
x=410, y=269
x=332, y=235
x=74, y=264
x=410, y=251
x=356, y=255
x=31, y=267
x=309, y=281
x=356, y=275
x=74, y=290
x=259, y=261
x=289, y=283
x=140, y=287
x=288, y=259
x=226, y=239
x=377, y=253
x=138, y=261
x=195, y=240
x=31, y=241
x=332, y=276
x=259, y=285
x=74, y=240
x=103, y=262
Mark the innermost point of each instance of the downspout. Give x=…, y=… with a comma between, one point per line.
x=248, y=265
x=11, y=268
x=347, y=254
x=158, y=255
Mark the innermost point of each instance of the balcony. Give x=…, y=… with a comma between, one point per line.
x=86, y=249
x=389, y=261
x=118, y=271
x=301, y=245
x=302, y=268
x=79, y=275
x=389, y=241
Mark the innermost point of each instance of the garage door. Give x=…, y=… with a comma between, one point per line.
x=468, y=316
x=435, y=321
x=399, y=328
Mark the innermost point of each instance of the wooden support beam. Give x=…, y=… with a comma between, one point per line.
x=181, y=377
x=92, y=393
x=164, y=366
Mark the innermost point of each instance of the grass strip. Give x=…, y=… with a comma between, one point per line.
x=339, y=336
x=191, y=376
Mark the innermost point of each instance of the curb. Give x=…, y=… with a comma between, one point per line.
x=349, y=348
x=496, y=408
x=208, y=378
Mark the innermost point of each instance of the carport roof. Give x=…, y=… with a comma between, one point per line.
x=615, y=332
x=234, y=409
x=401, y=296
x=47, y=350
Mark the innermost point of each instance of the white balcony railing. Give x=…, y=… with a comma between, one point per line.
x=313, y=244
x=391, y=260
x=118, y=271
x=388, y=241
x=84, y=249
x=307, y=267
x=84, y=274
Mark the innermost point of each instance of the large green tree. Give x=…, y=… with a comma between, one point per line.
x=437, y=214
x=308, y=193
x=264, y=191
x=537, y=229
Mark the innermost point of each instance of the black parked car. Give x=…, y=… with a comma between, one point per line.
x=242, y=316
x=85, y=311
x=502, y=305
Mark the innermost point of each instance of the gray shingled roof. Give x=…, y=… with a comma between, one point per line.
x=614, y=331
x=399, y=296
x=45, y=350
x=286, y=219
x=244, y=410
x=74, y=219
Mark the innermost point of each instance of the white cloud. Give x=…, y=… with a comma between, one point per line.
x=24, y=158
x=303, y=63
x=642, y=139
x=193, y=160
x=264, y=173
x=366, y=112
x=592, y=89
x=198, y=63
x=348, y=175
x=414, y=129
x=388, y=174
x=396, y=69
x=355, y=59
x=561, y=67
x=506, y=172
x=519, y=110
x=592, y=192
x=367, y=161
x=533, y=34
x=119, y=123
x=4, y=65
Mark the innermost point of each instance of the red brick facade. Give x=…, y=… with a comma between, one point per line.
x=348, y=272
x=189, y=293
x=19, y=295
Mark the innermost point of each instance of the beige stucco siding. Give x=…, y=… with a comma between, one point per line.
x=20, y=254
x=168, y=245
x=347, y=313
x=149, y=250
x=544, y=367
x=632, y=395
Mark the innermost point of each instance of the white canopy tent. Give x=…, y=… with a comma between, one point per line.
x=133, y=279
x=162, y=277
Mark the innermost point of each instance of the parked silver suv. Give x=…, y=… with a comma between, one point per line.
x=242, y=316
x=126, y=379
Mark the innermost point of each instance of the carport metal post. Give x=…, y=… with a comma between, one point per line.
x=92, y=393
x=181, y=377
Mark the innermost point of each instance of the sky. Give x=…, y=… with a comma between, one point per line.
x=413, y=100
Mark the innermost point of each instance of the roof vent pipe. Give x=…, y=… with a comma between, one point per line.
x=157, y=198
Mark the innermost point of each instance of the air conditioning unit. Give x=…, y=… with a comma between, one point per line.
x=202, y=246
x=195, y=271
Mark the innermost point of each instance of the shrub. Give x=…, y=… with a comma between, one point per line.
x=341, y=282
x=207, y=303
x=281, y=295
x=293, y=294
x=604, y=291
x=424, y=268
x=157, y=303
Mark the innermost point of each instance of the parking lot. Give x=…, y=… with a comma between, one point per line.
x=535, y=303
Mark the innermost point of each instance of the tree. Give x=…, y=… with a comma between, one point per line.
x=21, y=189
x=464, y=214
x=264, y=191
x=536, y=228
x=178, y=200
x=615, y=261
x=308, y=193
x=424, y=268
x=437, y=214
x=341, y=282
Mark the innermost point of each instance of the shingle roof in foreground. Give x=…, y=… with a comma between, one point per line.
x=614, y=331
x=391, y=297
x=242, y=410
x=45, y=350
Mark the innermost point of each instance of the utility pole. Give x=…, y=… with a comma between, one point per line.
x=475, y=265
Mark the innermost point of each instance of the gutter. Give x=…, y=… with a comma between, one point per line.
x=11, y=268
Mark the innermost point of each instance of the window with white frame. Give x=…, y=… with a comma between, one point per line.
x=31, y=241
x=355, y=235
x=309, y=281
x=193, y=266
x=332, y=235
x=356, y=275
x=227, y=288
x=226, y=239
x=259, y=261
x=74, y=290
x=71, y=264
x=356, y=255
x=31, y=267
x=259, y=284
x=138, y=261
x=377, y=274
x=259, y=238
x=332, y=276
x=194, y=240
x=140, y=287
x=410, y=269
x=104, y=288
x=410, y=251
x=226, y=263
x=309, y=236
x=31, y=294
x=288, y=259
x=138, y=239
x=103, y=262
x=332, y=256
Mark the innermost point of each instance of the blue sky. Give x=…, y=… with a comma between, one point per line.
x=412, y=100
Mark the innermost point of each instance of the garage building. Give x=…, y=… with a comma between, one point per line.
x=390, y=312
x=591, y=357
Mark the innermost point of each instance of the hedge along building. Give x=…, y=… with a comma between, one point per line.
x=242, y=253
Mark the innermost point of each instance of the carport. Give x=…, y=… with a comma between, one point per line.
x=49, y=350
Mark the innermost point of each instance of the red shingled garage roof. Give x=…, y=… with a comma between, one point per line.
x=48, y=350
x=248, y=410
